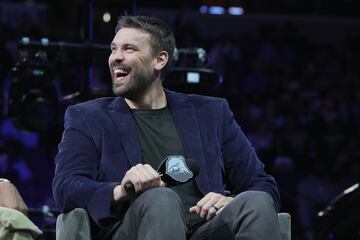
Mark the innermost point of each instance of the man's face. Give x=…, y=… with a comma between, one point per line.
x=131, y=63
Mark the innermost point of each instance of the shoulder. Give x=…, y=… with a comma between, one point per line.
x=201, y=99
x=97, y=105
x=198, y=100
x=94, y=104
x=208, y=104
x=90, y=112
x=92, y=108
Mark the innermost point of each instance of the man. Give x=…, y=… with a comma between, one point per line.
x=14, y=224
x=110, y=142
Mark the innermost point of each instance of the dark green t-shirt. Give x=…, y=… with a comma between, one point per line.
x=158, y=139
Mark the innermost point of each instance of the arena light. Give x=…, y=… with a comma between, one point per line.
x=193, y=77
x=106, y=17
x=236, y=11
x=216, y=10
x=203, y=9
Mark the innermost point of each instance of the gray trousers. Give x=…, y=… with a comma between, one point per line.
x=158, y=214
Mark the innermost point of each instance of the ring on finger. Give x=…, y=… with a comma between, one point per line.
x=215, y=207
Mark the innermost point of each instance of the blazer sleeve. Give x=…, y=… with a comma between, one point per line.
x=243, y=169
x=77, y=163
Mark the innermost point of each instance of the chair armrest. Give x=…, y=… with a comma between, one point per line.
x=73, y=225
x=285, y=225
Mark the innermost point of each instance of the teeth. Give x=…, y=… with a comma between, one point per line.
x=120, y=72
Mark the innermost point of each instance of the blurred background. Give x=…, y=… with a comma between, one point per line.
x=289, y=69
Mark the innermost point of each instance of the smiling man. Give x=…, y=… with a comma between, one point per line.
x=109, y=143
x=133, y=67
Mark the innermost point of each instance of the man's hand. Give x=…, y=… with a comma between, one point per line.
x=142, y=176
x=210, y=205
x=10, y=198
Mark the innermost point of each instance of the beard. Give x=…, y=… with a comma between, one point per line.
x=134, y=87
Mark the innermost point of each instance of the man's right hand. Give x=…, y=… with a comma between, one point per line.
x=142, y=176
x=10, y=197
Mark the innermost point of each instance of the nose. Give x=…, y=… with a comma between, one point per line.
x=117, y=56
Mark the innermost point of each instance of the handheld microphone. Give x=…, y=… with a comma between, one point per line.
x=173, y=170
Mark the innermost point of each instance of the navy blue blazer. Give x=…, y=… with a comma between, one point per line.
x=100, y=143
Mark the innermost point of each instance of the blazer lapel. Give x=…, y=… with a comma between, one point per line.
x=126, y=129
x=187, y=125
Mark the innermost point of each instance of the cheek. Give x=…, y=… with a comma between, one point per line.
x=144, y=60
x=110, y=60
x=109, y=64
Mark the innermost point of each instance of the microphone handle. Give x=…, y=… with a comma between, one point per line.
x=129, y=188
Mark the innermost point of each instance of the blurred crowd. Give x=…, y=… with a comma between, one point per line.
x=297, y=101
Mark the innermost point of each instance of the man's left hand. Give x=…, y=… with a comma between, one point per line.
x=210, y=205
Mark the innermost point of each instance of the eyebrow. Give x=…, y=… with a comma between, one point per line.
x=112, y=44
x=130, y=45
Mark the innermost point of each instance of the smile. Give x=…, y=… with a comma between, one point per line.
x=120, y=72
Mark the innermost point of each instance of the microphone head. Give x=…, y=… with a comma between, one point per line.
x=193, y=166
x=176, y=169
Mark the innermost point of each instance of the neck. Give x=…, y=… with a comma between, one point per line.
x=153, y=98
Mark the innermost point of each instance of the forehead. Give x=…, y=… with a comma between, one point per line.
x=131, y=36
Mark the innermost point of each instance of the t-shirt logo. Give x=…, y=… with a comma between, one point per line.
x=177, y=169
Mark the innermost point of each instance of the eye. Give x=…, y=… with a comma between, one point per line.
x=112, y=48
x=129, y=49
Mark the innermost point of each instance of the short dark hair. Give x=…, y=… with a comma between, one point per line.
x=161, y=38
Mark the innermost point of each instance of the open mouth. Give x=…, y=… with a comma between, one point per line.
x=121, y=72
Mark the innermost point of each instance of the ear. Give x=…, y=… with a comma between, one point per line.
x=161, y=59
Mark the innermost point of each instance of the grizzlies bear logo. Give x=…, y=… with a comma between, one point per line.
x=177, y=169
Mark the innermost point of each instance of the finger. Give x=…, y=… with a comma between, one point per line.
x=155, y=180
x=212, y=200
x=134, y=179
x=200, y=204
x=220, y=210
x=204, y=200
x=162, y=184
x=211, y=213
x=195, y=209
x=223, y=203
x=207, y=207
x=139, y=176
x=150, y=170
x=145, y=175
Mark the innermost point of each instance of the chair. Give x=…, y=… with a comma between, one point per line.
x=73, y=225
x=285, y=225
x=80, y=228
